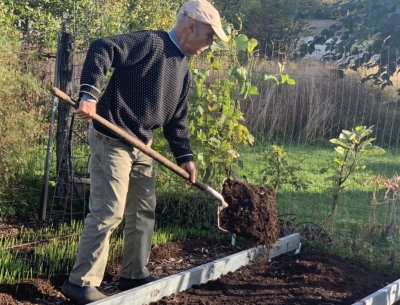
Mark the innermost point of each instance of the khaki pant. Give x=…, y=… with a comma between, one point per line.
x=121, y=185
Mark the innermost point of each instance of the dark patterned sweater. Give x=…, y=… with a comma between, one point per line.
x=148, y=88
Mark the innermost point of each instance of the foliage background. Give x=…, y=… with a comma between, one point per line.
x=293, y=122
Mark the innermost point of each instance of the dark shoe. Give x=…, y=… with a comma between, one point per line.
x=126, y=284
x=82, y=295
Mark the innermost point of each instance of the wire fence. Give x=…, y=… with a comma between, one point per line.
x=301, y=118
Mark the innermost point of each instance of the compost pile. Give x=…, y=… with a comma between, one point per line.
x=252, y=212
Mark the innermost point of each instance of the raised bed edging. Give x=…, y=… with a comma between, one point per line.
x=385, y=296
x=199, y=275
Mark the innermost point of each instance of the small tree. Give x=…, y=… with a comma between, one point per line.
x=351, y=149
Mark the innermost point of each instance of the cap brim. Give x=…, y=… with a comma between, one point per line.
x=220, y=33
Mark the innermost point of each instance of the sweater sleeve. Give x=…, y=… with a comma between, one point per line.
x=111, y=52
x=176, y=130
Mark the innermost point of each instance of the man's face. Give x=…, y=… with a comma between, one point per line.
x=202, y=36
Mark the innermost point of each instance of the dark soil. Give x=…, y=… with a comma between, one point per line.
x=251, y=212
x=311, y=278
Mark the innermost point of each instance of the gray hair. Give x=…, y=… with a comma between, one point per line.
x=182, y=21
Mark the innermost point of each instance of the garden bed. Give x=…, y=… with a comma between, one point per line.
x=306, y=278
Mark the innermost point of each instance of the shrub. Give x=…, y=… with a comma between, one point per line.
x=22, y=121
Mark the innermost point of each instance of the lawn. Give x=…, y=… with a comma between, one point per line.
x=355, y=197
x=358, y=223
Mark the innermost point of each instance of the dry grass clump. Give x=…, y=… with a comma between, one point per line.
x=324, y=101
x=321, y=104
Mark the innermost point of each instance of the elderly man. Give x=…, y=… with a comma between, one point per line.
x=148, y=89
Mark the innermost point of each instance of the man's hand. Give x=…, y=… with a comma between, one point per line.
x=190, y=168
x=86, y=110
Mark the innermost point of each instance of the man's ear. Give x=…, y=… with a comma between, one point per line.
x=192, y=26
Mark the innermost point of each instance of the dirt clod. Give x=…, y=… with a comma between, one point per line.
x=252, y=212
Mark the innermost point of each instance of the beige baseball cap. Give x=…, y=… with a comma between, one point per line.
x=205, y=12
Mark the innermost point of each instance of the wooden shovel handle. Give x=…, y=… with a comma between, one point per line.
x=133, y=141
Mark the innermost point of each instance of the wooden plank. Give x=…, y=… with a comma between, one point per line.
x=385, y=296
x=199, y=275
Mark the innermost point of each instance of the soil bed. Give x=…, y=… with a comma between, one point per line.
x=306, y=278
x=310, y=278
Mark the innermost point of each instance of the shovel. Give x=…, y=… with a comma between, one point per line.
x=145, y=149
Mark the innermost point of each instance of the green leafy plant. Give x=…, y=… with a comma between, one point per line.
x=279, y=78
x=215, y=117
x=152, y=14
x=245, y=61
x=7, y=21
x=351, y=148
x=216, y=120
x=279, y=171
x=215, y=124
x=22, y=126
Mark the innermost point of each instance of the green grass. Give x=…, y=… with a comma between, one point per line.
x=357, y=226
x=313, y=203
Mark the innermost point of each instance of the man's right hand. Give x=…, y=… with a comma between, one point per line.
x=190, y=168
x=86, y=110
